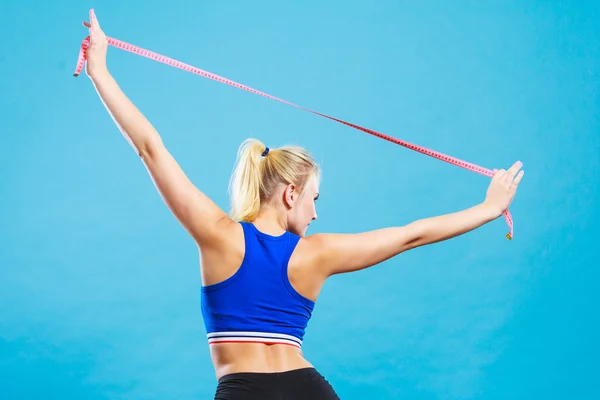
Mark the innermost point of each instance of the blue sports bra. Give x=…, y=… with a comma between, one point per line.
x=258, y=303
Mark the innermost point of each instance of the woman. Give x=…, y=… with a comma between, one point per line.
x=261, y=274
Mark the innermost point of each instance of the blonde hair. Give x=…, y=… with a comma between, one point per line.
x=260, y=171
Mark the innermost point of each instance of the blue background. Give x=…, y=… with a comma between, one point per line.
x=99, y=285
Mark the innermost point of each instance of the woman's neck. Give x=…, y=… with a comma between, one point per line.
x=271, y=221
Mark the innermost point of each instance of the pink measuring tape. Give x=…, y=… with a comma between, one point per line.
x=178, y=64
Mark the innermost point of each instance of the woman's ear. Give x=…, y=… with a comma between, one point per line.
x=290, y=195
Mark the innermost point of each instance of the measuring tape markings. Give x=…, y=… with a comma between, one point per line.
x=189, y=68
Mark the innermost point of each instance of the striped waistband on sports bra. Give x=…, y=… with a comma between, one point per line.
x=253, y=337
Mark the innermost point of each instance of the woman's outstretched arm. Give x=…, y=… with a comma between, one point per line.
x=195, y=211
x=340, y=253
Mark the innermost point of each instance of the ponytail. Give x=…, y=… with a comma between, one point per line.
x=245, y=184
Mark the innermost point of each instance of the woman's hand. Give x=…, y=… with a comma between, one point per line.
x=96, y=52
x=503, y=188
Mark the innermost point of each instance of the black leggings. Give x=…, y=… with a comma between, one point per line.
x=299, y=384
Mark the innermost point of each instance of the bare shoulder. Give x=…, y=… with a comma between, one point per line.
x=223, y=255
x=311, y=253
x=305, y=271
x=305, y=255
x=228, y=234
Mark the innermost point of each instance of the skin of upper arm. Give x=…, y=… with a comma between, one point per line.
x=341, y=253
x=196, y=212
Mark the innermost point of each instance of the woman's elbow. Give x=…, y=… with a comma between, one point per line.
x=413, y=236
